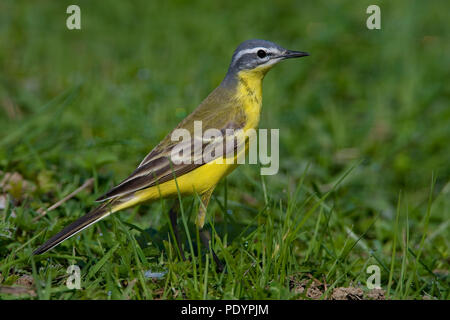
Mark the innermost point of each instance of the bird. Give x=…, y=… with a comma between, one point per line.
x=235, y=104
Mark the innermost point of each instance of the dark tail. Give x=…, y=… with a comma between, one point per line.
x=85, y=221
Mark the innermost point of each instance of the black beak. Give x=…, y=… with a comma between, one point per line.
x=294, y=54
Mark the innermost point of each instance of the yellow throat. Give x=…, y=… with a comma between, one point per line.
x=249, y=93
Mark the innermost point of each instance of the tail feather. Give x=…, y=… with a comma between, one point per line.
x=85, y=221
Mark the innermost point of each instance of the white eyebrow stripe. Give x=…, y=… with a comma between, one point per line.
x=252, y=50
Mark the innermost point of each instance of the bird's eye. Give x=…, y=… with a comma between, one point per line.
x=261, y=54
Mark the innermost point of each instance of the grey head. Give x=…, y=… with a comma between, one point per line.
x=259, y=54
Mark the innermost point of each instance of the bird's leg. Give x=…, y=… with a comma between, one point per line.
x=206, y=237
x=204, y=233
x=173, y=215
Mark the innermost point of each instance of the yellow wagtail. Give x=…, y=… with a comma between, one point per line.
x=234, y=104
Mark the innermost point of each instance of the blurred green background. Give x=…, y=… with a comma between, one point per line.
x=92, y=102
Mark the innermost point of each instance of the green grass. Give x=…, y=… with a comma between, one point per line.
x=364, y=147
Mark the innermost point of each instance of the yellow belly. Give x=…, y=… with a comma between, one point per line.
x=197, y=181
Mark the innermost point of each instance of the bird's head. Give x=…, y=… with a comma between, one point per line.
x=259, y=56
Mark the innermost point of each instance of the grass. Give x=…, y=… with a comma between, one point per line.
x=364, y=155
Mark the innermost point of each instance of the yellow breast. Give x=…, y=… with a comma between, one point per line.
x=249, y=93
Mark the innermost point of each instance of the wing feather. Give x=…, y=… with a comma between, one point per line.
x=157, y=167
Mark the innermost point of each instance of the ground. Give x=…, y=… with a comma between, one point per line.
x=364, y=174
